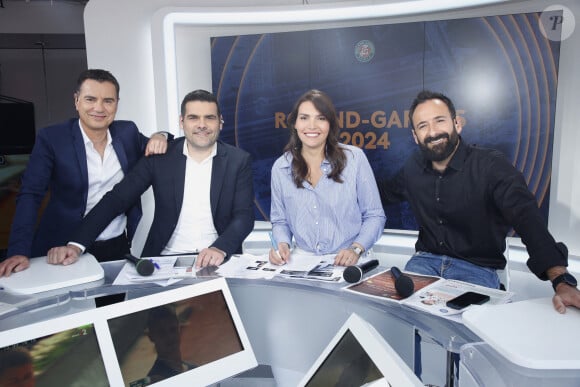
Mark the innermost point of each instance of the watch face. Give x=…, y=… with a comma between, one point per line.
x=569, y=279
x=566, y=278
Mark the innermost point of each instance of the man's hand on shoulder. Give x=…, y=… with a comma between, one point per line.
x=14, y=264
x=157, y=144
x=63, y=255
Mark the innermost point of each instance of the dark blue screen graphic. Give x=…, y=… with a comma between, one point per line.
x=500, y=71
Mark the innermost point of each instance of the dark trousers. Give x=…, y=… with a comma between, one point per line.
x=110, y=249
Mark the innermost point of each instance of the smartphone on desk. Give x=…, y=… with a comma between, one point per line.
x=466, y=299
x=185, y=260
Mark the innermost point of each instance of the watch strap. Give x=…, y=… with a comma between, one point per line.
x=566, y=278
x=357, y=250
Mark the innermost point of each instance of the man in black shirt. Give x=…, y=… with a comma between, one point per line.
x=465, y=200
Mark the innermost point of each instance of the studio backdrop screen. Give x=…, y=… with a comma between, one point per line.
x=500, y=71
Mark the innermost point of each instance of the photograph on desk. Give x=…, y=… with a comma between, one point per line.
x=68, y=358
x=383, y=285
x=434, y=299
x=156, y=344
x=429, y=293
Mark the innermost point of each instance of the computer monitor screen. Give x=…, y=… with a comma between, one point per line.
x=17, y=130
x=69, y=357
x=347, y=365
x=179, y=337
x=359, y=356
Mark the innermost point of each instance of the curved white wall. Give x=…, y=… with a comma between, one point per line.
x=126, y=39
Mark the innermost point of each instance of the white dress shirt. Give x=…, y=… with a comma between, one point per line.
x=103, y=174
x=195, y=229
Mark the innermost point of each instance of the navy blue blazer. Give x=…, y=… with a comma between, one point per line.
x=231, y=198
x=58, y=163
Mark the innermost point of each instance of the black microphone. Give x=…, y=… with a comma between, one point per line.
x=404, y=284
x=144, y=267
x=354, y=273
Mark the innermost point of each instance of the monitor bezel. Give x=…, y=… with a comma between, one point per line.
x=395, y=371
x=34, y=331
x=204, y=375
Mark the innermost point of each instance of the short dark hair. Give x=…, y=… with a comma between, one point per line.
x=426, y=95
x=98, y=75
x=199, y=95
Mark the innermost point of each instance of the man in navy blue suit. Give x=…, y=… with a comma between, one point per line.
x=203, y=191
x=77, y=162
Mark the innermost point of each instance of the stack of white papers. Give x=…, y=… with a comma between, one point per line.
x=165, y=273
x=311, y=267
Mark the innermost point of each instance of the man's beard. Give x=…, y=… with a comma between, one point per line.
x=440, y=151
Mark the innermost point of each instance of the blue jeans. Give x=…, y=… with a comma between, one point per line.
x=449, y=268
x=452, y=268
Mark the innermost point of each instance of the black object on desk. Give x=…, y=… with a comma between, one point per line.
x=144, y=267
x=403, y=284
x=355, y=273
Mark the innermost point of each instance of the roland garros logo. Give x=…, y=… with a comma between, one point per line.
x=364, y=51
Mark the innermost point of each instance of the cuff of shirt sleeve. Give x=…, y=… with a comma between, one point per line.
x=83, y=248
x=539, y=264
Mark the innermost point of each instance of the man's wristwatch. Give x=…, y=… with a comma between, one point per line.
x=566, y=278
x=358, y=251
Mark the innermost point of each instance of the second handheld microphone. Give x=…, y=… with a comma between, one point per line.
x=354, y=273
x=403, y=284
x=145, y=267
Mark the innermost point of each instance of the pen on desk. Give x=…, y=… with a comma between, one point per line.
x=156, y=265
x=275, y=246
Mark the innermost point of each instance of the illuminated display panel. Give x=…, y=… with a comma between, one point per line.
x=182, y=336
x=358, y=355
x=37, y=355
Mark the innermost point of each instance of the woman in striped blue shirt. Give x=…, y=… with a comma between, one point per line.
x=324, y=193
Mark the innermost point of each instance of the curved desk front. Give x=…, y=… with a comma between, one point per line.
x=289, y=322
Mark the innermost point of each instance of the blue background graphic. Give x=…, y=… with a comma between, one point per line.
x=500, y=71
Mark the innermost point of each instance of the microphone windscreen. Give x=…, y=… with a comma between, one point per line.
x=352, y=274
x=404, y=286
x=145, y=267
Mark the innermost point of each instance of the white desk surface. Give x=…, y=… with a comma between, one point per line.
x=42, y=276
x=529, y=333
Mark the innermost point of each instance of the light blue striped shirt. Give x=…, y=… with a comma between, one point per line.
x=330, y=216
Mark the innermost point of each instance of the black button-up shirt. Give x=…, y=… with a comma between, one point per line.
x=466, y=211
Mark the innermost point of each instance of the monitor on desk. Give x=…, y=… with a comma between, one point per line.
x=184, y=336
x=59, y=352
x=359, y=356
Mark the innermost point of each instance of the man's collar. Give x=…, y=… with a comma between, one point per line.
x=210, y=156
x=458, y=159
x=87, y=140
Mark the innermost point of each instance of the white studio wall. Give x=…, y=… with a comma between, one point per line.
x=134, y=49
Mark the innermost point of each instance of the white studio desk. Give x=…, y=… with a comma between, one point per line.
x=42, y=277
x=526, y=343
x=290, y=322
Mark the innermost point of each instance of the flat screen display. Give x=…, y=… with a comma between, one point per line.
x=17, y=129
x=347, y=365
x=71, y=357
x=156, y=344
x=358, y=355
